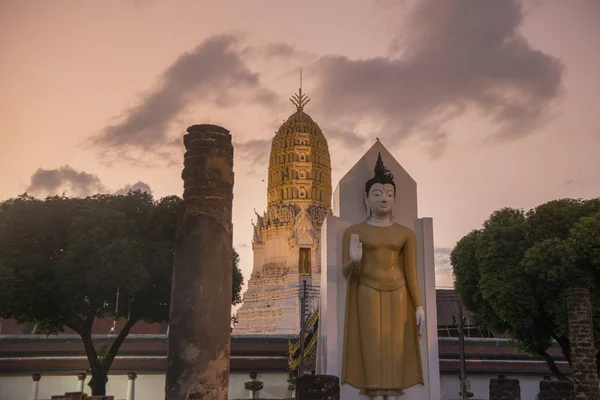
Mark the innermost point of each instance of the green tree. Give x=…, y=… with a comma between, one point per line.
x=62, y=261
x=512, y=273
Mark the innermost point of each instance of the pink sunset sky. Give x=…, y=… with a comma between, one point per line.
x=485, y=103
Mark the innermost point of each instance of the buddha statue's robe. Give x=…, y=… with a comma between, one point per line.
x=381, y=339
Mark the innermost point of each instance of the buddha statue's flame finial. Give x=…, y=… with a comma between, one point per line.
x=299, y=99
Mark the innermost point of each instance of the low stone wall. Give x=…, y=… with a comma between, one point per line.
x=504, y=389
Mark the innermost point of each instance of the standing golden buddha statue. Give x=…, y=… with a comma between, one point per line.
x=384, y=311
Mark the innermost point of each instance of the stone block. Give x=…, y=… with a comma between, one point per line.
x=552, y=389
x=502, y=388
x=318, y=387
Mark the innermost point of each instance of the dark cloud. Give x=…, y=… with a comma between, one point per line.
x=344, y=133
x=213, y=72
x=255, y=152
x=64, y=180
x=67, y=180
x=139, y=185
x=272, y=50
x=448, y=59
x=453, y=57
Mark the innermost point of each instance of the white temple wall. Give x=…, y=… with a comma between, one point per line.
x=259, y=257
x=277, y=247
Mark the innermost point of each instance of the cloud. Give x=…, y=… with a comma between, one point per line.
x=273, y=51
x=443, y=267
x=450, y=58
x=64, y=179
x=255, y=152
x=447, y=60
x=213, y=72
x=139, y=185
x=345, y=133
x=69, y=181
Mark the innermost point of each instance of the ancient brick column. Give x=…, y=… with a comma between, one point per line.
x=199, y=331
x=505, y=389
x=583, y=352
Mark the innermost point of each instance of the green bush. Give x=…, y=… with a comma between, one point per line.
x=291, y=383
x=254, y=385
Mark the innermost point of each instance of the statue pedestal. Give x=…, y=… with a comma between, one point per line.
x=349, y=207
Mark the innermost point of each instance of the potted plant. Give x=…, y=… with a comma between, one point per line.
x=292, y=385
x=253, y=387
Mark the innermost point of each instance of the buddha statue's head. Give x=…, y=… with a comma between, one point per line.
x=380, y=191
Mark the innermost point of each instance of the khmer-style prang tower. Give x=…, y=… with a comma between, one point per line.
x=286, y=237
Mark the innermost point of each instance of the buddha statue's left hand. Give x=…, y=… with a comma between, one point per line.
x=420, y=319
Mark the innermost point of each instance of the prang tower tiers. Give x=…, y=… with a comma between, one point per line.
x=286, y=237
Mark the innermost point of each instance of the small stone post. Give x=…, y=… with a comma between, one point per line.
x=80, y=382
x=199, y=323
x=132, y=376
x=583, y=352
x=36, y=385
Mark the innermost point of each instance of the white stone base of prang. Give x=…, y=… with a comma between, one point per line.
x=348, y=209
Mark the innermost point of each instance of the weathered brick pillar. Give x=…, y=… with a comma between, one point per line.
x=555, y=390
x=199, y=331
x=318, y=387
x=505, y=389
x=583, y=352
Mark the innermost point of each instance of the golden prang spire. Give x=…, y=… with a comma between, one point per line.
x=299, y=99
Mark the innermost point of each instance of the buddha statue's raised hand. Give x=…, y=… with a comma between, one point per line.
x=354, y=254
x=356, y=249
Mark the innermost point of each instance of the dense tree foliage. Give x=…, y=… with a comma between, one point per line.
x=62, y=261
x=512, y=273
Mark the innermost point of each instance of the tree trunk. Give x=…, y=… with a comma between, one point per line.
x=98, y=384
x=100, y=378
x=552, y=365
x=99, y=367
x=565, y=345
x=116, y=345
